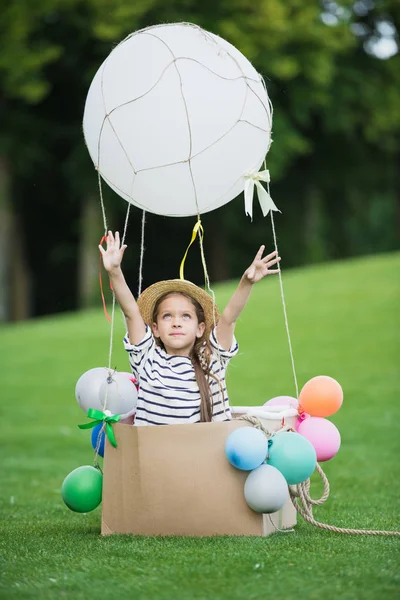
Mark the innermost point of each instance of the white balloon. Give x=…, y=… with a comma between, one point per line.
x=118, y=394
x=265, y=489
x=105, y=389
x=174, y=119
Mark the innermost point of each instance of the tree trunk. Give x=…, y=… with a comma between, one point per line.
x=316, y=243
x=15, y=281
x=21, y=281
x=88, y=259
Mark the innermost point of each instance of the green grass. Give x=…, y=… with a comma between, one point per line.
x=344, y=322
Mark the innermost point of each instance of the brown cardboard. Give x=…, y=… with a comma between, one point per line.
x=176, y=480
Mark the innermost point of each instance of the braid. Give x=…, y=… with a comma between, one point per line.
x=199, y=361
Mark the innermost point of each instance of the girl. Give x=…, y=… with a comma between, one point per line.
x=178, y=344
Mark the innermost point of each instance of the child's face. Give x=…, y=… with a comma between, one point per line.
x=177, y=325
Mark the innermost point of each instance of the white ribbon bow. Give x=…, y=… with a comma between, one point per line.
x=253, y=178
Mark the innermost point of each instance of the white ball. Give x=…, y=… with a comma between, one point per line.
x=101, y=388
x=265, y=489
x=174, y=118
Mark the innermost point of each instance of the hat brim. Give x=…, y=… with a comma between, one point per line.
x=148, y=299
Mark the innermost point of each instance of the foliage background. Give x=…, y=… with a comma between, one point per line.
x=333, y=74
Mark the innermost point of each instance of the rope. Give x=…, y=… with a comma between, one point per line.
x=300, y=493
x=112, y=318
x=141, y=254
x=258, y=424
x=283, y=299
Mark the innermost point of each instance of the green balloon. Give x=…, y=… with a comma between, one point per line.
x=293, y=455
x=82, y=489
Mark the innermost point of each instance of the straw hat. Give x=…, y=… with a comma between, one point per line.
x=148, y=298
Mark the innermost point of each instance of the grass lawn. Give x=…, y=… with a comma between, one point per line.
x=344, y=322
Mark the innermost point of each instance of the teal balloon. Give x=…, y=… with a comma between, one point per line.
x=293, y=455
x=82, y=489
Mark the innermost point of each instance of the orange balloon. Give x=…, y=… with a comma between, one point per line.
x=321, y=396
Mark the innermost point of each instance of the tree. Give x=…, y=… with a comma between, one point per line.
x=336, y=108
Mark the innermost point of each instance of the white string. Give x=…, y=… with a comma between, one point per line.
x=102, y=202
x=141, y=254
x=112, y=321
x=283, y=302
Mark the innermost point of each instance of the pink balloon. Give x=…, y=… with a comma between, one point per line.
x=323, y=435
x=283, y=401
x=299, y=421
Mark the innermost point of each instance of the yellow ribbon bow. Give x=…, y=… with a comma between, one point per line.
x=197, y=229
x=253, y=178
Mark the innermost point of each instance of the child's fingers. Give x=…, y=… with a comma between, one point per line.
x=102, y=251
x=270, y=256
x=274, y=261
x=117, y=240
x=259, y=253
x=110, y=238
x=273, y=271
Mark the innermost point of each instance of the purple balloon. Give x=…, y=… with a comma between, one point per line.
x=283, y=401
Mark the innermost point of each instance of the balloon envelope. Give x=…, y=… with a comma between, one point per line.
x=246, y=448
x=323, y=435
x=174, y=119
x=95, y=439
x=82, y=489
x=293, y=455
x=102, y=389
x=265, y=489
x=321, y=396
x=283, y=401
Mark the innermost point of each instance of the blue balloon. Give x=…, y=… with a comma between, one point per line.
x=246, y=448
x=95, y=436
x=293, y=455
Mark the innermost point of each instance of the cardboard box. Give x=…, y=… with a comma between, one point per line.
x=176, y=480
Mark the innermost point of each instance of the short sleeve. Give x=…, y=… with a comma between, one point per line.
x=216, y=346
x=139, y=352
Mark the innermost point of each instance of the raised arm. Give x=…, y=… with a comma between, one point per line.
x=112, y=258
x=259, y=268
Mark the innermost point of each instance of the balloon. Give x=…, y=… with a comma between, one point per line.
x=246, y=448
x=102, y=388
x=265, y=489
x=82, y=489
x=131, y=378
x=323, y=435
x=283, y=401
x=321, y=396
x=175, y=118
x=293, y=455
x=300, y=419
x=94, y=439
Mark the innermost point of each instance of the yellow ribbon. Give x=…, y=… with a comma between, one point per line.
x=198, y=228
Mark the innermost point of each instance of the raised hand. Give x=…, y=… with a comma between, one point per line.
x=261, y=267
x=112, y=256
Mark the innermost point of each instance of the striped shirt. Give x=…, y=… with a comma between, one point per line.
x=168, y=391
